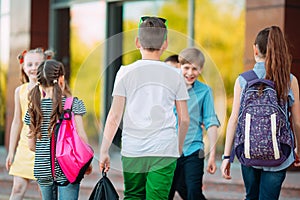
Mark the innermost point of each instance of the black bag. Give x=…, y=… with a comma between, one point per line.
x=104, y=190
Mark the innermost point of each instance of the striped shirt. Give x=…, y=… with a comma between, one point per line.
x=42, y=163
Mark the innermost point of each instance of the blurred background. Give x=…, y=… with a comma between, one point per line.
x=94, y=37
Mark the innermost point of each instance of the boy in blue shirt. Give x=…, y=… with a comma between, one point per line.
x=190, y=166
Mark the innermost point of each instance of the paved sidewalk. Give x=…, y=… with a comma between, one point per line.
x=215, y=187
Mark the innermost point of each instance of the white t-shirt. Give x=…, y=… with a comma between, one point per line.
x=151, y=88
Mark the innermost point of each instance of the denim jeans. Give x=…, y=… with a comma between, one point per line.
x=70, y=192
x=188, y=177
x=262, y=185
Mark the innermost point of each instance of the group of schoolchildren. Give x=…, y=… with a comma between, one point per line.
x=164, y=108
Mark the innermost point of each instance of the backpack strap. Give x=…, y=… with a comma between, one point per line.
x=68, y=103
x=66, y=114
x=252, y=78
x=249, y=75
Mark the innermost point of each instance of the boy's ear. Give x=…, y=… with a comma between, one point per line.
x=137, y=43
x=200, y=70
x=164, y=45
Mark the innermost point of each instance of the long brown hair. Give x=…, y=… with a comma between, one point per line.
x=48, y=74
x=273, y=47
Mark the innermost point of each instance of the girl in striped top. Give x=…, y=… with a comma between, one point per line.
x=43, y=113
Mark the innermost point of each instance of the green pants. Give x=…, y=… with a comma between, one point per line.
x=148, y=178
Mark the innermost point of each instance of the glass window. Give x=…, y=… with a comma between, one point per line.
x=4, y=48
x=86, y=44
x=132, y=11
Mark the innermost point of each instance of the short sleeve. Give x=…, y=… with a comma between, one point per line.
x=78, y=107
x=242, y=82
x=119, y=88
x=182, y=92
x=210, y=118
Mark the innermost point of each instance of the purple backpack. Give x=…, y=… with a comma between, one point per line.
x=263, y=133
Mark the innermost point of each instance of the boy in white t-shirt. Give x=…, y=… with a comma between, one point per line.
x=145, y=93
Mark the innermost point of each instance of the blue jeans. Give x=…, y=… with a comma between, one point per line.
x=70, y=192
x=188, y=177
x=262, y=185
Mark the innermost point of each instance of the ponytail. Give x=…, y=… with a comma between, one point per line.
x=278, y=62
x=57, y=109
x=34, y=110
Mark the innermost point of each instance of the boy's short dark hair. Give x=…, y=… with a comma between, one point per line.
x=172, y=58
x=152, y=33
x=193, y=56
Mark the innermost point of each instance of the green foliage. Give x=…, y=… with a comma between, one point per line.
x=219, y=33
x=86, y=80
x=222, y=36
x=217, y=30
x=131, y=53
x=2, y=103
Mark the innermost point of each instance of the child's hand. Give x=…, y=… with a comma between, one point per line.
x=104, y=162
x=225, y=169
x=297, y=161
x=211, y=166
x=9, y=160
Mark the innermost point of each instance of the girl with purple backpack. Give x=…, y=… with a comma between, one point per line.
x=273, y=62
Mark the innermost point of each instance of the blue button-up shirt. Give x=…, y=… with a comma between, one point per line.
x=202, y=115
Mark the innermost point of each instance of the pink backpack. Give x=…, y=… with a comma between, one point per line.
x=72, y=153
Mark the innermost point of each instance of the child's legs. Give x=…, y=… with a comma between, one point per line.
x=159, y=179
x=270, y=184
x=134, y=184
x=251, y=177
x=70, y=192
x=134, y=178
x=178, y=180
x=49, y=192
x=19, y=187
x=193, y=174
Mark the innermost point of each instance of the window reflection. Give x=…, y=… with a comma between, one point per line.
x=87, y=36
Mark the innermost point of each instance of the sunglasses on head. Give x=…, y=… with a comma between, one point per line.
x=144, y=18
x=147, y=17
